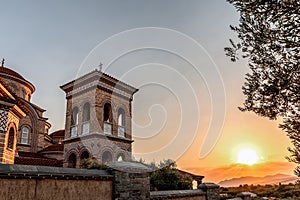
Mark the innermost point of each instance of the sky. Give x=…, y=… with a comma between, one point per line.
x=172, y=51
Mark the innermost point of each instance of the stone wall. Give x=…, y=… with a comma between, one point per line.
x=131, y=181
x=178, y=195
x=55, y=189
x=211, y=190
x=122, y=181
x=37, y=182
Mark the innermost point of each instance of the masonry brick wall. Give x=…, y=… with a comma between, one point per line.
x=32, y=182
x=7, y=154
x=55, y=189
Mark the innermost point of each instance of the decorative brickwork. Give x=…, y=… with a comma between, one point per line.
x=101, y=131
x=3, y=120
x=9, y=139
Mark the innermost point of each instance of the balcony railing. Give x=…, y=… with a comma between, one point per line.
x=121, y=131
x=107, y=128
x=86, y=128
x=74, y=131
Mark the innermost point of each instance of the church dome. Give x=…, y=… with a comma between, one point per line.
x=17, y=83
x=4, y=70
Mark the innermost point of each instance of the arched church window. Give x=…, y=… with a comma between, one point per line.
x=24, y=135
x=74, y=121
x=121, y=122
x=84, y=155
x=86, y=112
x=106, y=157
x=86, y=115
x=22, y=93
x=74, y=116
x=13, y=87
x=107, y=113
x=11, y=138
x=107, y=117
x=72, y=161
x=121, y=117
x=120, y=157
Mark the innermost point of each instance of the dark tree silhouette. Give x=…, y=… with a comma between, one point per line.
x=268, y=37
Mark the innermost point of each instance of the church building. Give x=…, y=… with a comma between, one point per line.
x=97, y=124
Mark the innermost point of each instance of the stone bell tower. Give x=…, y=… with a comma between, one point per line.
x=98, y=119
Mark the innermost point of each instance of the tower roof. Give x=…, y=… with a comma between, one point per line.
x=101, y=80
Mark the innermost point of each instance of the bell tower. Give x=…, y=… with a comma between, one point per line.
x=98, y=119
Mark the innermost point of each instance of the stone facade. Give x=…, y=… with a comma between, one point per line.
x=37, y=126
x=211, y=190
x=34, y=125
x=10, y=113
x=98, y=119
x=131, y=181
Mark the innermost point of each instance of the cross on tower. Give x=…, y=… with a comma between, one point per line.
x=2, y=62
x=100, y=66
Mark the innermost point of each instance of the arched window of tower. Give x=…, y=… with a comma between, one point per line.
x=74, y=122
x=86, y=115
x=107, y=118
x=11, y=138
x=121, y=122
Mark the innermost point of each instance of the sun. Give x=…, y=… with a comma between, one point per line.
x=247, y=156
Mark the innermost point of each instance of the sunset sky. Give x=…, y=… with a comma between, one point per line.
x=172, y=50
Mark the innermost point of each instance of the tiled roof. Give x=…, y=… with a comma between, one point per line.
x=59, y=133
x=27, y=158
x=194, y=176
x=8, y=71
x=29, y=154
x=54, y=147
x=38, y=161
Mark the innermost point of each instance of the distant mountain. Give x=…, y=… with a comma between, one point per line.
x=271, y=179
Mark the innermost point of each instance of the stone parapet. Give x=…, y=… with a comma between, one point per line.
x=131, y=181
x=43, y=172
x=178, y=194
x=211, y=190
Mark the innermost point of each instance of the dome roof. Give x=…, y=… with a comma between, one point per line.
x=8, y=71
x=9, y=74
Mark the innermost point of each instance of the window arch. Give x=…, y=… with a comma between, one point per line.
x=121, y=117
x=84, y=155
x=74, y=121
x=22, y=93
x=120, y=157
x=86, y=116
x=74, y=116
x=11, y=138
x=107, y=113
x=13, y=87
x=121, y=122
x=107, y=119
x=106, y=157
x=72, y=161
x=24, y=135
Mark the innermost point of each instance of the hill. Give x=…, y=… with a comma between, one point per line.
x=270, y=179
